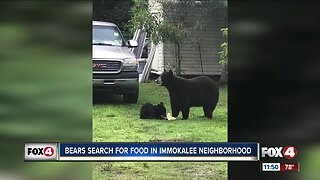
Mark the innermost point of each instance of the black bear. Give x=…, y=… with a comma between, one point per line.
x=186, y=93
x=150, y=111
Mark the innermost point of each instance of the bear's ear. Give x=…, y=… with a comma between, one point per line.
x=161, y=103
x=170, y=72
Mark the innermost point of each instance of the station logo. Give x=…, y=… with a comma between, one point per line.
x=40, y=151
x=288, y=152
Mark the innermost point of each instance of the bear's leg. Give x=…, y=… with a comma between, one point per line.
x=174, y=108
x=175, y=111
x=207, y=111
x=185, y=112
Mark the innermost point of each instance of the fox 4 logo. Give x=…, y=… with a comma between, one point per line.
x=288, y=152
x=40, y=151
x=47, y=151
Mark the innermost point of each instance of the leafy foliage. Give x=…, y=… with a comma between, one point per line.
x=175, y=34
x=224, y=46
x=170, y=23
x=157, y=29
x=174, y=27
x=117, y=12
x=143, y=19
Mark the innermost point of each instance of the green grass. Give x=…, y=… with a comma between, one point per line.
x=114, y=121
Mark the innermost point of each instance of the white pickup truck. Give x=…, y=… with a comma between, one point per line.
x=114, y=65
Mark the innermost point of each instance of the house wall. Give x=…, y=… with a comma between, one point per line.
x=208, y=35
x=157, y=65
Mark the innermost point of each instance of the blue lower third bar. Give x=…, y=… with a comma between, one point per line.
x=158, y=152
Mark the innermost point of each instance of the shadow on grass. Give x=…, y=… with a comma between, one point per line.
x=99, y=98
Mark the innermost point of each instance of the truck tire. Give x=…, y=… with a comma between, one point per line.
x=131, y=98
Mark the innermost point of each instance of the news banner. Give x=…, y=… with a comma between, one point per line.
x=163, y=152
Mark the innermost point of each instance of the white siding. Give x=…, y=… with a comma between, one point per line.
x=210, y=38
x=158, y=63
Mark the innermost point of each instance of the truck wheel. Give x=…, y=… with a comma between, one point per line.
x=131, y=98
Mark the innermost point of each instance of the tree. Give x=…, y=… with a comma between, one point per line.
x=117, y=12
x=171, y=25
x=224, y=55
x=157, y=29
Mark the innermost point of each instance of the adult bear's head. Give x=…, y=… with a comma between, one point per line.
x=165, y=79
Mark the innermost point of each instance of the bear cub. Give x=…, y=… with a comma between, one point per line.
x=150, y=111
x=200, y=91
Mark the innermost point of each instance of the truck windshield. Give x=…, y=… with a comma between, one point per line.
x=107, y=36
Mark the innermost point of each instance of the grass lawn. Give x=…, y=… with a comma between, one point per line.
x=114, y=121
